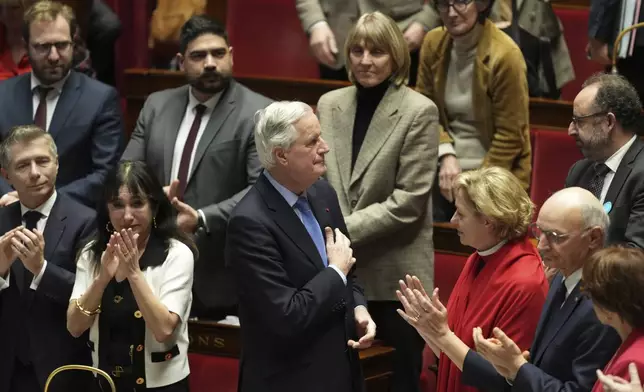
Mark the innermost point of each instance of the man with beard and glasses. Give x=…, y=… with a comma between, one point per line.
x=605, y=124
x=81, y=114
x=198, y=139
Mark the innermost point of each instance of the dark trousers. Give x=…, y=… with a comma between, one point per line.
x=442, y=209
x=631, y=69
x=341, y=74
x=24, y=378
x=395, y=332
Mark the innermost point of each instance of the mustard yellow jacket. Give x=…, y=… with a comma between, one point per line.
x=499, y=94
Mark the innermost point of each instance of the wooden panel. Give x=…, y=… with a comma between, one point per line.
x=210, y=338
x=549, y=113
x=446, y=240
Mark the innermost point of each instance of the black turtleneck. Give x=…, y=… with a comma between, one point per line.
x=368, y=100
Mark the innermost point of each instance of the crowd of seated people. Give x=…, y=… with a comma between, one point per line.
x=314, y=227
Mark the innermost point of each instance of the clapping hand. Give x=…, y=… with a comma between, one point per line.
x=501, y=352
x=109, y=261
x=187, y=217
x=127, y=251
x=366, y=328
x=172, y=190
x=7, y=252
x=9, y=198
x=29, y=246
x=426, y=314
x=618, y=384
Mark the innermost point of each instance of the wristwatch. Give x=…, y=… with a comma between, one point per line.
x=200, y=222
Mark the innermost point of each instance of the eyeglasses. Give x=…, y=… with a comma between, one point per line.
x=459, y=5
x=553, y=236
x=575, y=119
x=45, y=49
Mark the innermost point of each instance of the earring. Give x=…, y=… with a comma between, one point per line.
x=154, y=222
x=108, y=227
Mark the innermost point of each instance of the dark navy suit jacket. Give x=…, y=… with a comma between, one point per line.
x=45, y=309
x=87, y=127
x=296, y=315
x=565, y=353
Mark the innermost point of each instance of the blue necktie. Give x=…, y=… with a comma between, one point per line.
x=312, y=226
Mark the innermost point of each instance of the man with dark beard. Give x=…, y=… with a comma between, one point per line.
x=199, y=141
x=605, y=124
x=81, y=114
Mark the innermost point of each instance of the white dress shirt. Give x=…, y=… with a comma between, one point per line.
x=613, y=164
x=52, y=97
x=184, y=131
x=45, y=210
x=572, y=281
x=182, y=137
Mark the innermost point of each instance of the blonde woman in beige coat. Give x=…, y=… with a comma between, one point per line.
x=383, y=139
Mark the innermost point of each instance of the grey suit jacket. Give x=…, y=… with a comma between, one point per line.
x=342, y=14
x=386, y=200
x=224, y=168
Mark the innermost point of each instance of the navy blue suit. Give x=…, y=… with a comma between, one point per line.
x=43, y=312
x=565, y=352
x=87, y=127
x=296, y=315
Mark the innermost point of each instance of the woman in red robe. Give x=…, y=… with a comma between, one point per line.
x=614, y=280
x=503, y=283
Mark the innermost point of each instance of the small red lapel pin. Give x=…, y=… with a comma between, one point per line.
x=327, y=209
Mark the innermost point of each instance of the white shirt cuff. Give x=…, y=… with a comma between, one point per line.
x=203, y=218
x=314, y=25
x=36, y=281
x=446, y=149
x=344, y=278
x=4, y=283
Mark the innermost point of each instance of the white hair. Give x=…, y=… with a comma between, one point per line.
x=274, y=128
x=594, y=215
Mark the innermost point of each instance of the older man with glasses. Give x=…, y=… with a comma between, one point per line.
x=570, y=343
x=605, y=124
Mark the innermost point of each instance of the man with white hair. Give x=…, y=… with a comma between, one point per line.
x=286, y=243
x=570, y=343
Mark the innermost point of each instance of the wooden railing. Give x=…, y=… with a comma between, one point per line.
x=222, y=340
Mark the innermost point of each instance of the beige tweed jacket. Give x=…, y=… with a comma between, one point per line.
x=386, y=199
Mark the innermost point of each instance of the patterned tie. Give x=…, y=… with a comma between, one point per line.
x=597, y=182
x=40, y=119
x=312, y=226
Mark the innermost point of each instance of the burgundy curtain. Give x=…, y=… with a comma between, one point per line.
x=132, y=46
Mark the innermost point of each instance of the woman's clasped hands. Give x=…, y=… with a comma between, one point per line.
x=121, y=257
